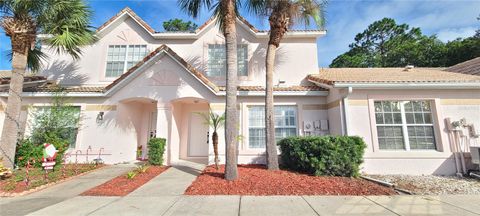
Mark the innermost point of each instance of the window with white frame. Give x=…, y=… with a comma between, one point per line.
x=404, y=125
x=122, y=57
x=285, y=124
x=217, y=60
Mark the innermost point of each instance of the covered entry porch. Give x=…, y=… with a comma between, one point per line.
x=179, y=121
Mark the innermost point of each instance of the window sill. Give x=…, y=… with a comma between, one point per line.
x=413, y=154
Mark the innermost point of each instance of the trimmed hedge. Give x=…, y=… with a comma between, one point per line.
x=156, y=148
x=323, y=155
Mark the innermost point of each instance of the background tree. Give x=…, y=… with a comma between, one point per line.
x=477, y=32
x=179, y=25
x=67, y=24
x=215, y=121
x=282, y=14
x=226, y=12
x=387, y=44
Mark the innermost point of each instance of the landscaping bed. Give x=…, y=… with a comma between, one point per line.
x=16, y=184
x=125, y=184
x=432, y=185
x=257, y=180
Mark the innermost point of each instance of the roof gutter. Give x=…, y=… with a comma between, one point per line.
x=462, y=85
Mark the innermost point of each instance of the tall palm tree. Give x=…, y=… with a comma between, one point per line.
x=66, y=24
x=282, y=14
x=215, y=121
x=226, y=12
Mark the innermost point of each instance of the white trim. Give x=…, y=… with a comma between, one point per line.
x=51, y=94
x=278, y=93
x=455, y=85
x=123, y=82
x=198, y=33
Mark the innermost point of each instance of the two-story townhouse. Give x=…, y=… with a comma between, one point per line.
x=135, y=83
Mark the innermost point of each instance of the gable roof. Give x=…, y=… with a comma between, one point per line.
x=164, y=49
x=471, y=66
x=195, y=34
x=399, y=77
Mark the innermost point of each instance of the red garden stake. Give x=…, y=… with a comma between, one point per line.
x=27, y=176
x=64, y=167
x=76, y=160
x=89, y=148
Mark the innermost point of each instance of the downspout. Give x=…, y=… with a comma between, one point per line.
x=345, y=112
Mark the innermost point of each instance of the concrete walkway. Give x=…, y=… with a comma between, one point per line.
x=29, y=203
x=163, y=196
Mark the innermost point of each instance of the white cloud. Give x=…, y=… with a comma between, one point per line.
x=452, y=34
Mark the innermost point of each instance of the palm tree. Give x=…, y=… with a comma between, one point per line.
x=226, y=12
x=66, y=24
x=215, y=121
x=282, y=14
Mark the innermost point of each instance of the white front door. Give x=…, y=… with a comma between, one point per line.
x=198, y=136
x=152, y=126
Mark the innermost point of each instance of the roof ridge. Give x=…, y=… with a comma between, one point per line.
x=132, y=13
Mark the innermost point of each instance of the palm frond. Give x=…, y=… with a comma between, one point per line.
x=67, y=21
x=194, y=7
x=212, y=119
x=258, y=7
x=35, y=58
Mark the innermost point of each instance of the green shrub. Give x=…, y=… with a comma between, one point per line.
x=323, y=155
x=26, y=150
x=131, y=174
x=156, y=148
x=57, y=124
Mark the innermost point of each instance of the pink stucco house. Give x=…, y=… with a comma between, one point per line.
x=136, y=83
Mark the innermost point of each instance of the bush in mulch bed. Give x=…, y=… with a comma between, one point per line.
x=126, y=183
x=323, y=155
x=257, y=180
x=36, y=175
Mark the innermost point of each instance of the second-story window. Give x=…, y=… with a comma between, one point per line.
x=217, y=60
x=122, y=57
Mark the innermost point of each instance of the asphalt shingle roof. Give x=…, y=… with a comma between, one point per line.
x=471, y=67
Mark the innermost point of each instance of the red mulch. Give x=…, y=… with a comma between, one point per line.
x=17, y=184
x=121, y=185
x=257, y=180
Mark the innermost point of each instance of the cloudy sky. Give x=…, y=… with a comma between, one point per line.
x=448, y=19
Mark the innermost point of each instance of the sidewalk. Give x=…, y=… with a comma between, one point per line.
x=29, y=203
x=163, y=195
x=267, y=205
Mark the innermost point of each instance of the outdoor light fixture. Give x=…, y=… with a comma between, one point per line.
x=100, y=117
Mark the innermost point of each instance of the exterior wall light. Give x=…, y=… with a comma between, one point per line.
x=100, y=117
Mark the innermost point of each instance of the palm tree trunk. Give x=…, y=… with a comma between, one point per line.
x=11, y=125
x=271, y=147
x=231, y=117
x=215, y=147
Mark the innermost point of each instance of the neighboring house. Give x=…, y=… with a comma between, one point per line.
x=135, y=83
x=471, y=66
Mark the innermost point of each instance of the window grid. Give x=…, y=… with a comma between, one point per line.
x=122, y=57
x=217, y=60
x=285, y=124
x=404, y=125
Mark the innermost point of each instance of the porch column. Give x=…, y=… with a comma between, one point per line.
x=163, y=129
